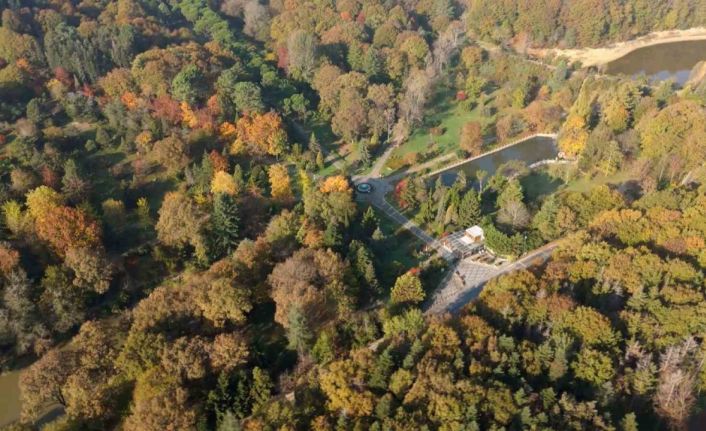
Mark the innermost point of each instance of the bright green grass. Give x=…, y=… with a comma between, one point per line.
x=449, y=115
x=344, y=161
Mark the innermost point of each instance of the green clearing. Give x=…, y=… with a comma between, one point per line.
x=586, y=184
x=445, y=114
x=538, y=184
x=398, y=251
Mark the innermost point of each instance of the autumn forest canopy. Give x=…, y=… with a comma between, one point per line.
x=182, y=246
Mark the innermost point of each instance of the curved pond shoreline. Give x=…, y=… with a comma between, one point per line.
x=672, y=60
x=531, y=149
x=602, y=55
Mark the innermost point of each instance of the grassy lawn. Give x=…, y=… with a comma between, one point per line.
x=445, y=113
x=538, y=184
x=397, y=252
x=337, y=152
x=586, y=184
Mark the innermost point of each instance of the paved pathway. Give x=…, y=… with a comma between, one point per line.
x=420, y=167
x=375, y=172
x=468, y=278
x=392, y=212
x=456, y=290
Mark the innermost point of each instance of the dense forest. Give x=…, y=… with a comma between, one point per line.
x=580, y=23
x=182, y=246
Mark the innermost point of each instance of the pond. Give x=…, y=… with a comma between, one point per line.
x=9, y=397
x=529, y=151
x=660, y=62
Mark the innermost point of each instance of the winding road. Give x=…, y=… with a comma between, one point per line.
x=466, y=277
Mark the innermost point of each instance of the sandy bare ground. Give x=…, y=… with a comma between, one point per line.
x=600, y=56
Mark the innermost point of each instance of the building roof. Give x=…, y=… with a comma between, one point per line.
x=474, y=231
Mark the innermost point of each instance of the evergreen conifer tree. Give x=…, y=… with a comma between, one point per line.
x=261, y=388
x=225, y=223
x=298, y=332
x=469, y=212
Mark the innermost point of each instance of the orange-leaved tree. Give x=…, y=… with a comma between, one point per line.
x=66, y=227
x=260, y=134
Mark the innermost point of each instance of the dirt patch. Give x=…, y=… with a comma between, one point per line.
x=599, y=56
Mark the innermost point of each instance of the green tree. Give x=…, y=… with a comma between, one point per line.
x=73, y=185
x=593, y=367
x=225, y=223
x=102, y=137
x=362, y=260
x=469, y=211
x=247, y=98
x=512, y=192
x=301, y=53
x=298, y=331
x=628, y=423
x=181, y=223
x=407, y=289
x=380, y=374
x=324, y=349
x=65, y=48
x=512, y=211
x=320, y=163
x=189, y=84
x=314, y=145
x=370, y=220
x=261, y=389
x=238, y=177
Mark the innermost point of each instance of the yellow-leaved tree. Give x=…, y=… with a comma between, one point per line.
x=574, y=135
x=280, y=183
x=222, y=182
x=336, y=183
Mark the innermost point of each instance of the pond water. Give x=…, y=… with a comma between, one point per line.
x=660, y=62
x=530, y=151
x=9, y=397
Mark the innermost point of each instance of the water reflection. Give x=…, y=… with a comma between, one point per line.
x=529, y=151
x=660, y=62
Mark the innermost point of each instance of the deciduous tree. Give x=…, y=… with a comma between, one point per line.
x=471, y=138
x=407, y=289
x=280, y=183
x=180, y=223
x=65, y=227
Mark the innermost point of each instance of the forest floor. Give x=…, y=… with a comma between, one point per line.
x=599, y=56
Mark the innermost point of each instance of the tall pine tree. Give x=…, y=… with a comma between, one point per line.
x=370, y=221
x=363, y=266
x=224, y=225
x=298, y=333
x=261, y=388
x=469, y=212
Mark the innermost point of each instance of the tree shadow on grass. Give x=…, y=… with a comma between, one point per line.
x=539, y=184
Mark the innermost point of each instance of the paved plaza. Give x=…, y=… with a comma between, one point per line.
x=468, y=277
x=463, y=284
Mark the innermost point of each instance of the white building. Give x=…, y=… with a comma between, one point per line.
x=475, y=234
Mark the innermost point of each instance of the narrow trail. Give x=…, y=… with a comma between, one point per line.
x=429, y=163
x=457, y=289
